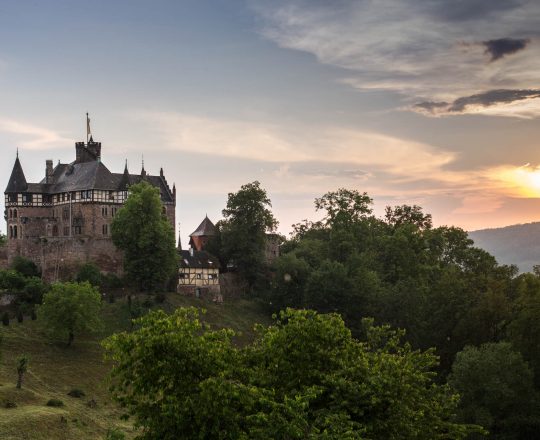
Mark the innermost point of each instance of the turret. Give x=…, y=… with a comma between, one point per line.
x=17, y=182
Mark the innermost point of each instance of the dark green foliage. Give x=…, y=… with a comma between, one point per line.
x=9, y=404
x=55, y=403
x=5, y=318
x=247, y=219
x=20, y=316
x=303, y=377
x=111, y=281
x=3, y=240
x=497, y=391
x=27, y=289
x=69, y=309
x=33, y=315
x=89, y=272
x=12, y=281
x=146, y=237
x=159, y=298
x=76, y=392
x=25, y=267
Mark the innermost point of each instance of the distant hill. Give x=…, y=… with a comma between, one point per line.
x=516, y=244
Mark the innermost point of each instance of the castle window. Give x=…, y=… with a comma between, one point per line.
x=27, y=198
x=77, y=230
x=65, y=214
x=105, y=229
x=12, y=198
x=66, y=230
x=14, y=213
x=55, y=231
x=63, y=197
x=199, y=276
x=14, y=231
x=11, y=232
x=10, y=213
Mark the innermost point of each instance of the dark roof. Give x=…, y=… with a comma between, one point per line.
x=17, y=181
x=85, y=175
x=199, y=260
x=206, y=228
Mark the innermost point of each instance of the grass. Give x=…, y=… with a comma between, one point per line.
x=54, y=370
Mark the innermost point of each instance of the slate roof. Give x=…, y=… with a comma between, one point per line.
x=206, y=228
x=17, y=181
x=199, y=260
x=78, y=176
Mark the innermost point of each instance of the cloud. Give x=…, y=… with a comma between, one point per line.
x=477, y=103
x=424, y=50
x=31, y=136
x=504, y=46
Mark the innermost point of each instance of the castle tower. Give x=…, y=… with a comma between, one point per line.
x=202, y=234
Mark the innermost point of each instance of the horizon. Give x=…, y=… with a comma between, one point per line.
x=305, y=97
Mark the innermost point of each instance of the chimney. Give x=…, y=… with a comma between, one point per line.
x=48, y=171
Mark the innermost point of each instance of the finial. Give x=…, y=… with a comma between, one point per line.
x=88, y=132
x=17, y=152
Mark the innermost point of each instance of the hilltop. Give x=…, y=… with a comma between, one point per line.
x=515, y=244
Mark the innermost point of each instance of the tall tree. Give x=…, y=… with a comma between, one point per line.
x=69, y=309
x=247, y=219
x=145, y=235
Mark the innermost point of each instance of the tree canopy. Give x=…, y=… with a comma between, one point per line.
x=247, y=219
x=69, y=309
x=303, y=377
x=145, y=235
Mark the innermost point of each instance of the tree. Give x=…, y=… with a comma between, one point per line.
x=304, y=377
x=69, y=309
x=22, y=367
x=145, y=235
x=247, y=219
x=497, y=392
x=3, y=240
x=25, y=267
x=89, y=272
x=344, y=207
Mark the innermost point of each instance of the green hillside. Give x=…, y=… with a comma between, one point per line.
x=55, y=370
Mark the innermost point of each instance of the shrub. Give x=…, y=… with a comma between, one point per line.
x=25, y=267
x=159, y=298
x=111, y=281
x=55, y=402
x=20, y=317
x=89, y=272
x=33, y=315
x=33, y=291
x=114, y=434
x=12, y=281
x=5, y=318
x=75, y=392
x=148, y=302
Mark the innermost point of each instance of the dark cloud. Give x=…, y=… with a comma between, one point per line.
x=504, y=46
x=486, y=99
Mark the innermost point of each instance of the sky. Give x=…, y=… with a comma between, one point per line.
x=427, y=102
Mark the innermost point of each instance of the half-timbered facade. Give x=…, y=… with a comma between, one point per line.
x=198, y=273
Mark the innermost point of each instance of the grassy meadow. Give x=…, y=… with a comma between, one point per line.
x=54, y=370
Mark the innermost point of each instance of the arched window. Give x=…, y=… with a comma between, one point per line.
x=14, y=213
x=55, y=231
x=11, y=232
x=10, y=213
x=14, y=231
x=164, y=210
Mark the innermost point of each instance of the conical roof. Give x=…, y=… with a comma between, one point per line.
x=17, y=181
x=125, y=180
x=206, y=228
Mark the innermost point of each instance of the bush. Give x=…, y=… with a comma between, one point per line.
x=5, y=318
x=25, y=267
x=89, y=272
x=33, y=291
x=55, y=402
x=111, y=281
x=159, y=298
x=114, y=434
x=12, y=281
x=20, y=317
x=75, y=392
x=148, y=302
x=33, y=315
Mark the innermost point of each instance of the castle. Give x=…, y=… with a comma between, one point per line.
x=65, y=220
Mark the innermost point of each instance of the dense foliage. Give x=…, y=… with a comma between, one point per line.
x=242, y=232
x=145, y=235
x=69, y=309
x=305, y=377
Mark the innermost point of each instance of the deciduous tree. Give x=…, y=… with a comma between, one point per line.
x=145, y=235
x=69, y=309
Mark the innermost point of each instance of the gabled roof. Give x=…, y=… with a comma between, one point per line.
x=205, y=229
x=17, y=181
x=199, y=260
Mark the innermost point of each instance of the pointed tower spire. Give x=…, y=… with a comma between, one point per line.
x=17, y=181
x=125, y=181
x=143, y=171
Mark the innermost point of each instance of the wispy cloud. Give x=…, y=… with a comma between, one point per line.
x=421, y=49
x=33, y=137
